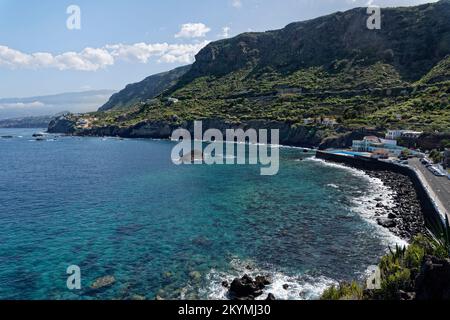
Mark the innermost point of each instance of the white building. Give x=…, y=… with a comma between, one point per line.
x=374, y=144
x=172, y=100
x=308, y=121
x=396, y=134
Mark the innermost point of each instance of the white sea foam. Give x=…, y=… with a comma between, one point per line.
x=301, y=287
x=304, y=286
x=364, y=204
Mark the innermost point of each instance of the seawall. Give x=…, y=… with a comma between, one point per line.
x=433, y=218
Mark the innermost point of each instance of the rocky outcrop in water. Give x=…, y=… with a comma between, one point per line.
x=247, y=288
x=103, y=283
x=62, y=125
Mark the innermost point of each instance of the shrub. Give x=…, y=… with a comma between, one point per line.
x=441, y=244
x=393, y=283
x=436, y=156
x=344, y=291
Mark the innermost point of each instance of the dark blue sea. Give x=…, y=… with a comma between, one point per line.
x=121, y=208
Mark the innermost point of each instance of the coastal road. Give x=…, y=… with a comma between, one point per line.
x=439, y=186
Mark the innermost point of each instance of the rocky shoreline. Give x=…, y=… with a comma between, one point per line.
x=406, y=219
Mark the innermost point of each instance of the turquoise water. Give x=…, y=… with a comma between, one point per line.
x=121, y=208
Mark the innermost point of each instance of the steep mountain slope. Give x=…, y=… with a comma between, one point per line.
x=411, y=39
x=144, y=90
x=295, y=78
x=440, y=73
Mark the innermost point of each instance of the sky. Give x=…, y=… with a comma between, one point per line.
x=42, y=50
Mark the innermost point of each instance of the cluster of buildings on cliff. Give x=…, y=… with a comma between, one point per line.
x=384, y=148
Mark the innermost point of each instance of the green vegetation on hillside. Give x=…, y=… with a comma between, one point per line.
x=147, y=89
x=441, y=72
x=329, y=73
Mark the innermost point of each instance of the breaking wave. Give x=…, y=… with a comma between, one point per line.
x=283, y=287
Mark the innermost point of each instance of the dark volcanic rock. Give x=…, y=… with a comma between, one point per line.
x=262, y=281
x=246, y=288
x=61, y=125
x=406, y=218
x=433, y=282
x=102, y=283
x=270, y=297
x=387, y=223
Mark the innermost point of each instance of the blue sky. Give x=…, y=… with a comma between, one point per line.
x=124, y=41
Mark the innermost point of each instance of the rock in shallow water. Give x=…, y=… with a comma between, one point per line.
x=270, y=297
x=103, y=282
x=386, y=222
x=248, y=289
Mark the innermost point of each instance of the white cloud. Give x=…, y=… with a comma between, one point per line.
x=93, y=59
x=236, y=3
x=89, y=59
x=193, y=30
x=170, y=53
x=21, y=105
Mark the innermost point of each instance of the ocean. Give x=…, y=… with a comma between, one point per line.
x=121, y=208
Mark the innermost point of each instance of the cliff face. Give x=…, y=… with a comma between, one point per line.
x=294, y=136
x=62, y=125
x=149, y=88
x=412, y=39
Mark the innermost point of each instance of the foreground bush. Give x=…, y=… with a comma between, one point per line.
x=344, y=291
x=400, y=271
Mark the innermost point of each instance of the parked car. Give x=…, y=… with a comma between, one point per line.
x=436, y=172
